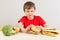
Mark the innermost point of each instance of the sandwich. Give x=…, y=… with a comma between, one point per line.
x=50, y=32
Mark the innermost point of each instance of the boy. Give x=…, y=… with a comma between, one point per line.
x=30, y=19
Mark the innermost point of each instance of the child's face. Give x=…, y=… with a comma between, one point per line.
x=29, y=12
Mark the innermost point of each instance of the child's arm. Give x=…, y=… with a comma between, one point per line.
x=45, y=26
x=48, y=27
x=28, y=27
x=20, y=24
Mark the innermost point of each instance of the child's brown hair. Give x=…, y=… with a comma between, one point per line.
x=29, y=5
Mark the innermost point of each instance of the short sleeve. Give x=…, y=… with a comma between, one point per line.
x=41, y=21
x=21, y=20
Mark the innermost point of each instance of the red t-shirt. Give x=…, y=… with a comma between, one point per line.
x=36, y=21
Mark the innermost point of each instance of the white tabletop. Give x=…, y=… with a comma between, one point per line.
x=24, y=36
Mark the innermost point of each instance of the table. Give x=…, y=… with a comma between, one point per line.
x=25, y=36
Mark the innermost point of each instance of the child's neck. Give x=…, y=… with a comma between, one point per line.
x=31, y=18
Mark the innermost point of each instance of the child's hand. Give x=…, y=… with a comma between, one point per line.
x=17, y=29
x=24, y=30
x=38, y=27
x=28, y=28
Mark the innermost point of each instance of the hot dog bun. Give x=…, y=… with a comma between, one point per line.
x=49, y=32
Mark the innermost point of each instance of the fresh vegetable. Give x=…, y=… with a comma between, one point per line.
x=7, y=30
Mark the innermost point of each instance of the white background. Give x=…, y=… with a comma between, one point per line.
x=12, y=10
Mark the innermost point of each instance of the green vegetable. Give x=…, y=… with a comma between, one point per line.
x=7, y=30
